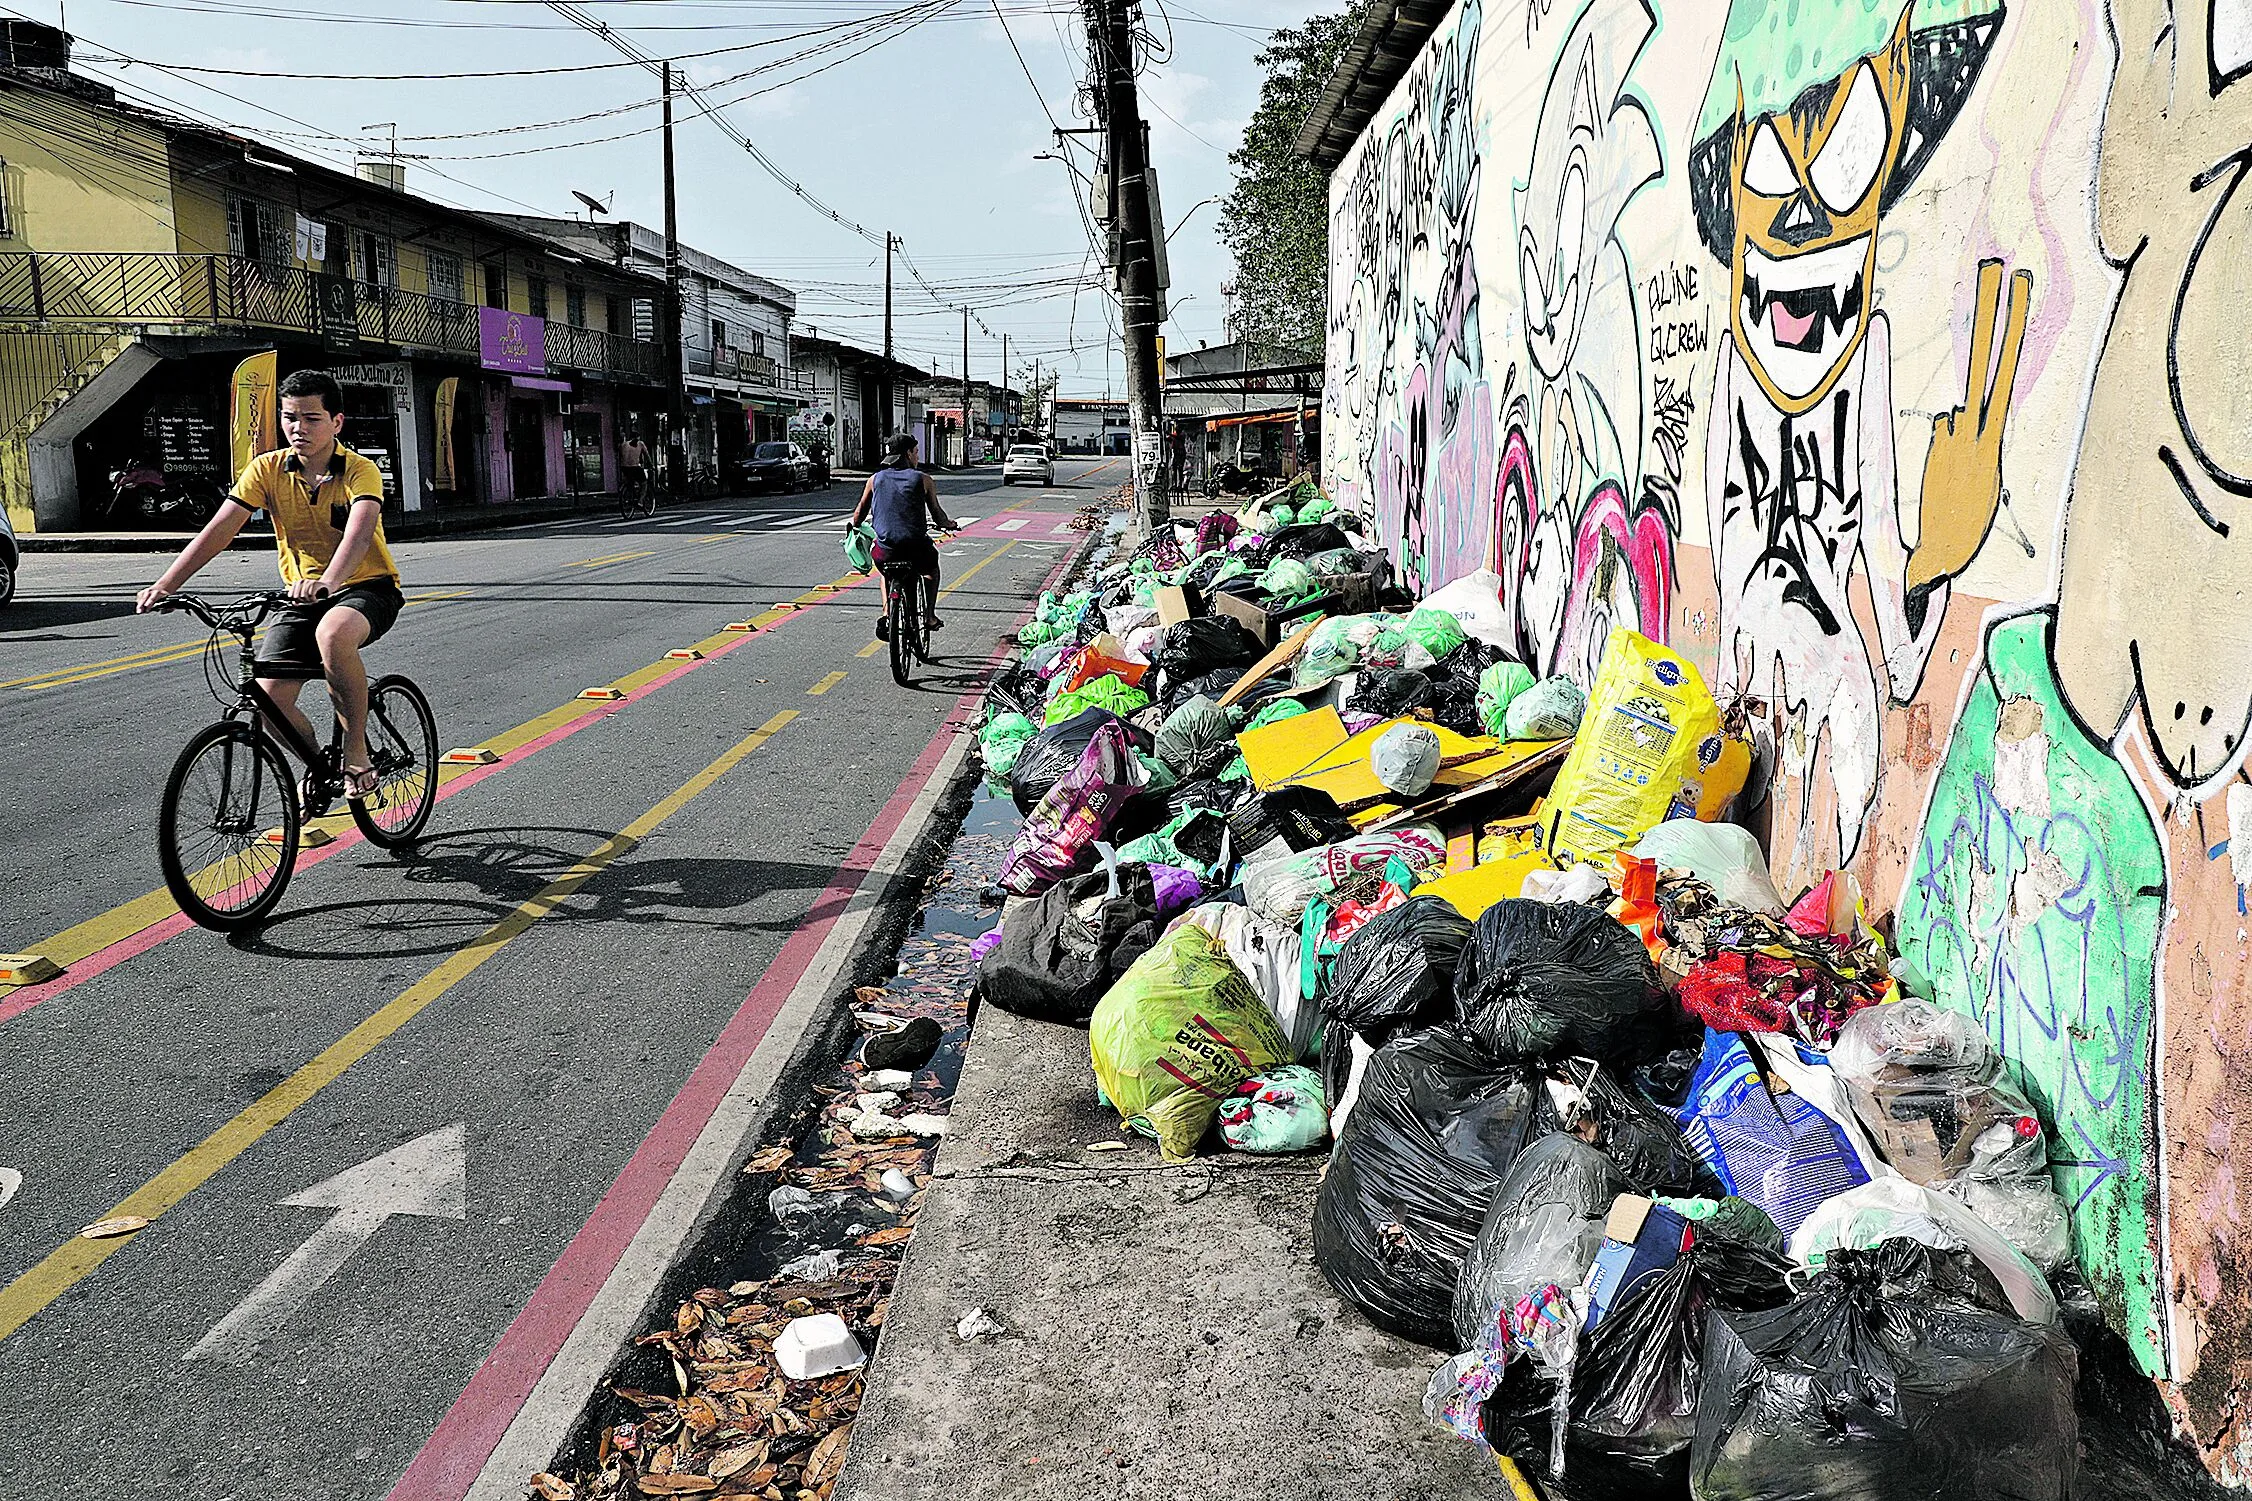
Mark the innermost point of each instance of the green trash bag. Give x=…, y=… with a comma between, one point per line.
x=1280, y=516
x=860, y=547
x=1280, y=1110
x=1179, y=1030
x=1145, y=590
x=1549, y=710
x=1333, y=650
x=1106, y=692
x=1338, y=562
x=1498, y=687
x=1162, y=847
x=1001, y=742
x=1435, y=631
x=1160, y=775
x=1288, y=580
x=1315, y=509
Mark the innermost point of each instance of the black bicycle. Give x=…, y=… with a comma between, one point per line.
x=638, y=500
x=228, y=827
x=906, y=627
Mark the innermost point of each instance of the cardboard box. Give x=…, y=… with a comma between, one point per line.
x=1640, y=1240
x=1176, y=603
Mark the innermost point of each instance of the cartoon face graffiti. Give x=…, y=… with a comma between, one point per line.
x=1808, y=182
x=2161, y=507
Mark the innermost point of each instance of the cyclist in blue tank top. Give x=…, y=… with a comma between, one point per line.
x=904, y=503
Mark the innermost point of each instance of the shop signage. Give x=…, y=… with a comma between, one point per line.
x=336, y=311
x=392, y=376
x=515, y=342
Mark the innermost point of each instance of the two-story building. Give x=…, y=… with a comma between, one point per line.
x=734, y=334
x=1084, y=425
x=144, y=257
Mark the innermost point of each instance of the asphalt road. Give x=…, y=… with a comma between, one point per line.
x=215, y=1079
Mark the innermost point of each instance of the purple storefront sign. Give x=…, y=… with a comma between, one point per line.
x=511, y=341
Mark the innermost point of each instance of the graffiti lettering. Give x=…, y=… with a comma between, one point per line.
x=1672, y=340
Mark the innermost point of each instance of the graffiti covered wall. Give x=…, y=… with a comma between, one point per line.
x=1881, y=355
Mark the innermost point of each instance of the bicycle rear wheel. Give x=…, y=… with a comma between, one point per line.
x=403, y=749
x=905, y=618
x=227, y=787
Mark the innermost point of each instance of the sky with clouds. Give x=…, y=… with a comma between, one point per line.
x=917, y=118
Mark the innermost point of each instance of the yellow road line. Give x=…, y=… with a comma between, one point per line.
x=74, y=944
x=605, y=562
x=825, y=684
x=23, y=1298
x=158, y=656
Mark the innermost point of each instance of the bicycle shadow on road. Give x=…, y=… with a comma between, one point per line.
x=502, y=868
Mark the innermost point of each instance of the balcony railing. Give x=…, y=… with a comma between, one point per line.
x=728, y=363
x=50, y=288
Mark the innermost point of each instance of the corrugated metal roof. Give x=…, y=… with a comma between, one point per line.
x=1391, y=33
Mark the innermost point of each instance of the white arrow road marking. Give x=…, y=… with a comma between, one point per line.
x=11, y=1182
x=427, y=1176
x=1017, y=525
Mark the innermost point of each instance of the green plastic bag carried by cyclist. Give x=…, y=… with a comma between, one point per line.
x=903, y=503
x=326, y=504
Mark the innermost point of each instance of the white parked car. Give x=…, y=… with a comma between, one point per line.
x=1028, y=461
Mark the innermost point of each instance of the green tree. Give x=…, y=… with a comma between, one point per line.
x=1275, y=221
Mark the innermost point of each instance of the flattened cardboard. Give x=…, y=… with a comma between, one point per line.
x=1176, y=603
x=1273, y=662
x=1282, y=751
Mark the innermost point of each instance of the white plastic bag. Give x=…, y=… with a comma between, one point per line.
x=1268, y=955
x=1877, y=1211
x=1721, y=855
x=1475, y=600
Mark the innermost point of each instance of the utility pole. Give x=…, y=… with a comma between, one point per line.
x=889, y=240
x=676, y=396
x=1111, y=42
x=965, y=388
x=1008, y=398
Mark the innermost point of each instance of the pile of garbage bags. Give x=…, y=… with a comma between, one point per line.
x=1688, y=1190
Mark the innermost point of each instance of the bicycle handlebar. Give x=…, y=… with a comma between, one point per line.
x=239, y=615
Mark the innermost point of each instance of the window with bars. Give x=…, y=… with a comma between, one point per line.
x=445, y=276
x=574, y=306
x=535, y=296
x=374, y=258
x=254, y=230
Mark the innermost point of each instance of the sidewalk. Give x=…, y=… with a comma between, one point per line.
x=1169, y=1333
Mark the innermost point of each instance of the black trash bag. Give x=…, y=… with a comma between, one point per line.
x=1634, y=1134
x=1639, y=1378
x=1900, y=1372
x=1245, y=585
x=1198, y=740
x=1303, y=541
x=1454, y=686
x=1389, y=694
x=1665, y=1081
x=1192, y=648
x=1061, y=954
x=1210, y=685
x=1544, y=1226
x=1016, y=689
x=1204, y=569
x=1050, y=755
x=1547, y=979
x=1398, y=970
x=1437, y=1124
x=1303, y=818
x=1217, y=797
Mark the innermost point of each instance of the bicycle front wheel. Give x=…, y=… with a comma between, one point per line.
x=226, y=832
x=403, y=749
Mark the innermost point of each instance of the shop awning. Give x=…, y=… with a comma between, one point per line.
x=1253, y=417
x=539, y=383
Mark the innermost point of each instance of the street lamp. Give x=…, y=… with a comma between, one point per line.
x=1215, y=198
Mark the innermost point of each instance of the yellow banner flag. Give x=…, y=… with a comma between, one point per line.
x=443, y=438
x=255, y=424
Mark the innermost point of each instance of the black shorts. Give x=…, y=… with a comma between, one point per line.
x=290, y=650
x=920, y=554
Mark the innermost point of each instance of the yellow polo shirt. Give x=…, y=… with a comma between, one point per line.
x=309, y=518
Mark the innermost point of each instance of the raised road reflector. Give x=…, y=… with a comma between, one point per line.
x=311, y=837
x=470, y=755
x=605, y=695
x=27, y=969
x=739, y=625
x=685, y=654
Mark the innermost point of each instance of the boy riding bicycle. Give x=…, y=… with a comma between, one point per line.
x=326, y=503
x=905, y=504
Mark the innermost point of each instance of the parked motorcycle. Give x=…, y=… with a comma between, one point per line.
x=1226, y=478
x=145, y=492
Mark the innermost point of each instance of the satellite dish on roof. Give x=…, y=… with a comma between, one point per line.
x=593, y=205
